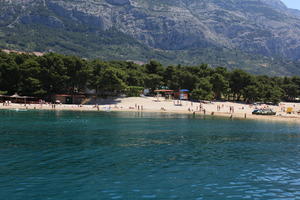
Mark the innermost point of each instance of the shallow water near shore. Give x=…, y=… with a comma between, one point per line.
x=96, y=155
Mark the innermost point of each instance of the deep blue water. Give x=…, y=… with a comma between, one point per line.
x=101, y=156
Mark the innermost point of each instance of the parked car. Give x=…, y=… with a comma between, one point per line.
x=263, y=112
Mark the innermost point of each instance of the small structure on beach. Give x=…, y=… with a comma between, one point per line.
x=68, y=99
x=164, y=93
x=19, y=99
x=182, y=94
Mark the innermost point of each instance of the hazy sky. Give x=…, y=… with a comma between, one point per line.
x=292, y=3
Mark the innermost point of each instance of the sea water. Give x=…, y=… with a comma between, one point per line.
x=48, y=155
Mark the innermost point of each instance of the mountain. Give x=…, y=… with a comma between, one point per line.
x=261, y=36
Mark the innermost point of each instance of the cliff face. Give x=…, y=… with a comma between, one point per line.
x=264, y=27
x=260, y=27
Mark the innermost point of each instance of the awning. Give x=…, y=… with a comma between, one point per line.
x=16, y=96
x=163, y=90
x=184, y=90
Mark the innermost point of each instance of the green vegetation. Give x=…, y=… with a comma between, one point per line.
x=60, y=74
x=114, y=45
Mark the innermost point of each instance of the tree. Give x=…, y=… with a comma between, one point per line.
x=153, y=81
x=272, y=94
x=111, y=80
x=10, y=76
x=204, y=71
x=30, y=84
x=187, y=80
x=171, y=77
x=222, y=71
x=135, y=77
x=203, y=90
x=200, y=94
x=251, y=93
x=291, y=91
x=77, y=71
x=239, y=80
x=97, y=67
x=219, y=85
x=134, y=91
x=154, y=67
x=53, y=74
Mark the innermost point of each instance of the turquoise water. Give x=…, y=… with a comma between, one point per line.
x=97, y=156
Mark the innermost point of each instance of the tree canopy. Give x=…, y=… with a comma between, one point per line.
x=53, y=73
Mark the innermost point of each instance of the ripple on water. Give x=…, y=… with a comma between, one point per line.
x=116, y=197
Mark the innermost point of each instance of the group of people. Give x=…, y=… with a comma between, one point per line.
x=6, y=103
x=139, y=107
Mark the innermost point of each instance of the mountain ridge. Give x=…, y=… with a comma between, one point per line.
x=158, y=29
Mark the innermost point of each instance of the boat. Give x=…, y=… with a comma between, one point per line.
x=265, y=111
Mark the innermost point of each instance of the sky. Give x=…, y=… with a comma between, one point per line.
x=292, y=3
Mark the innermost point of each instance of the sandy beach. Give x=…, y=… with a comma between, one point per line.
x=150, y=104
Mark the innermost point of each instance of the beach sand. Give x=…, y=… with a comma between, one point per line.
x=151, y=104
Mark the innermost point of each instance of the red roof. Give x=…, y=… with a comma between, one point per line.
x=163, y=90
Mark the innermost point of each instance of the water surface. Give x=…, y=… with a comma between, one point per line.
x=97, y=156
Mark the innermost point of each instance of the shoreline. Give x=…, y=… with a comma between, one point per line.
x=152, y=106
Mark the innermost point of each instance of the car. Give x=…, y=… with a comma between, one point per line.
x=263, y=112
